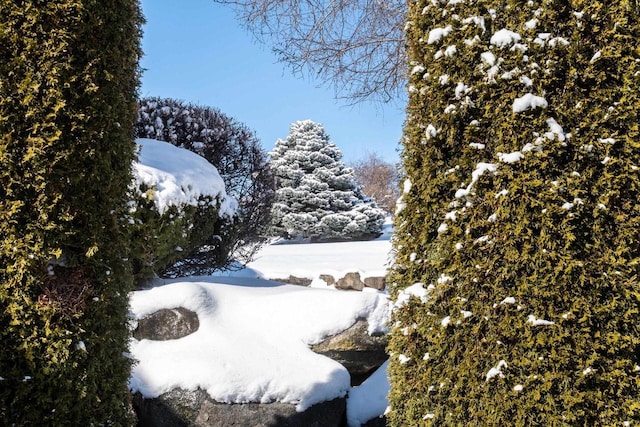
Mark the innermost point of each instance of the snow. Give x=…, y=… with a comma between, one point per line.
x=503, y=38
x=514, y=157
x=529, y=102
x=417, y=69
x=310, y=260
x=480, y=169
x=488, y=57
x=539, y=322
x=556, y=130
x=252, y=343
x=178, y=176
x=438, y=33
x=369, y=399
x=496, y=371
x=254, y=336
x=416, y=290
x=406, y=186
x=431, y=132
x=450, y=51
x=461, y=89
x=508, y=300
x=531, y=24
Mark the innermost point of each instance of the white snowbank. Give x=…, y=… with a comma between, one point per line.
x=179, y=176
x=252, y=343
x=369, y=400
x=310, y=260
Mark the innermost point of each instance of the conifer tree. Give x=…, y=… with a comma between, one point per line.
x=317, y=195
x=516, y=285
x=68, y=82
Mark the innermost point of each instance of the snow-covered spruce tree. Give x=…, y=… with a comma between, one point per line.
x=242, y=163
x=316, y=194
x=68, y=82
x=516, y=284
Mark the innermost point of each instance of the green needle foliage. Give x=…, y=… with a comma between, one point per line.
x=516, y=285
x=68, y=83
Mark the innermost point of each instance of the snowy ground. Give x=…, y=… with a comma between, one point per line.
x=254, y=335
x=310, y=260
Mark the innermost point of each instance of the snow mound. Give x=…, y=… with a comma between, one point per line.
x=369, y=400
x=253, y=341
x=179, y=176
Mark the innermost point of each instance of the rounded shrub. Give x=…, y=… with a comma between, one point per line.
x=236, y=153
x=177, y=209
x=516, y=284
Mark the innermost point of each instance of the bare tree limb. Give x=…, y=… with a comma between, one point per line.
x=355, y=45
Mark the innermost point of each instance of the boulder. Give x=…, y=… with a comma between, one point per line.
x=380, y=421
x=183, y=408
x=328, y=279
x=351, y=281
x=378, y=283
x=356, y=350
x=167, y=324
x=293, y=280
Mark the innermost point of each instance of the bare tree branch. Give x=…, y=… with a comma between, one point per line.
x=356, y=45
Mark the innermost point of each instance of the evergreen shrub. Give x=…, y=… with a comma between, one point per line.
x=68, y=82
x=161, y=240
x=518, y=243
x=317, y=196
x=242, y=163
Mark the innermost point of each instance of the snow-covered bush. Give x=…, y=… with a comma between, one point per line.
x=68, y=83
x=517, y=271
x=178, y=210
x=241, y=162
x=317, y=195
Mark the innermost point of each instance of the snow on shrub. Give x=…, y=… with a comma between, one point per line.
x=241, y=161
x=317, y=195
x=180, y=200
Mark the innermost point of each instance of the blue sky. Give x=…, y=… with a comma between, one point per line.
x=196, y=51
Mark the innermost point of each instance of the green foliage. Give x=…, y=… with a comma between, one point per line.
x=236, y=153
x=68, y=81
x=530, y=258
x=161, y=241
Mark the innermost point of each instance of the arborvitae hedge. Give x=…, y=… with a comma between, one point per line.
x=68, y=82
x=520, y=234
